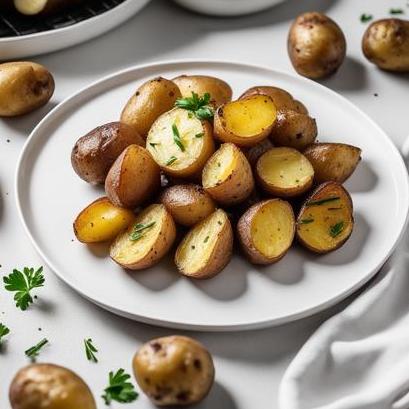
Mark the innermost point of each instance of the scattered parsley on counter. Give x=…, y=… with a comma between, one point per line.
x=396, y=11
x=336, y=229
x=139, y=229
x=119, y=389
x=90, y=350
x=3, y=331
x=366, y=17
x=176, y=138
x=22, y=283
x=33, y=352
x=198, y=105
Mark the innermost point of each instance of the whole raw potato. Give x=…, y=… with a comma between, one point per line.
x=316, y=45
x=24, y=87
x=386, y=44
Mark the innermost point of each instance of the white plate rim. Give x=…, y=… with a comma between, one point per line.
x=403, y=216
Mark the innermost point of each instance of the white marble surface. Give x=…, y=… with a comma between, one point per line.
x=249, y=364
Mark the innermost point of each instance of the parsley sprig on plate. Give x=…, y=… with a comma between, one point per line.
x=22, y=283
x=33, y=352
x=90, y=350
x=198, y=105
x=3, y=331
x=119, y=388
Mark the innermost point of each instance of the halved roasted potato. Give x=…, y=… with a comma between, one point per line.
x=294, y=130
x=188, y=204
x=333, y=161
x=220, y=92
x=101, y=221
x=146, y=241
x=284, y=172
x=227, y=176
x=266, y=231
x=180, y=143
x=325, y=221
x=245, y=122
x=207, y=247
x=252, y=154
x=133, y=178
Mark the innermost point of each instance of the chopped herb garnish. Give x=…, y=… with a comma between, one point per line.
x=198, y=105
x=366, y=17
x=119, y=389
x=3, y=331
x=306, y=221
x=336, y=229
x=22, y=283
x=199, y=135
x=206, y=239
x=396, y=11
x=153, y=144
x=205, y=112
x=322, y=201
x=176, y=138
x=171, y=160
x=139, y=230
x=33, y=352
x=90, y=350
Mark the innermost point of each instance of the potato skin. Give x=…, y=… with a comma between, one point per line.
x=188, y=204
x=94, y=153
x=252, y=154
x=133, y=177
x=174, y=370
x=386, y=44
x=24, y=87
x=220, y=92
x=151, y=100
x=294, y=130
x=333, y=161
x=49, y=386
x=27, y=7
x=316, y=45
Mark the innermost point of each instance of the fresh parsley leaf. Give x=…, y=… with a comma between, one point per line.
x=205, y=112
x=306, y=221
x=119, y=389
x=139, y=230
x=90, y=350
x=396, y=11
x=198, y=105
x=336, y=229
x=322, y=201
x=366, y=17
x=33, y=352
x=3, y=331
x=176, y=138
x=171, y=160
x=22, y=283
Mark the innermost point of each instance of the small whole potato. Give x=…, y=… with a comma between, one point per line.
x=386, y=44
x=316, y=45
x=174, y=370
x=48, y=386
x=24, y=87
x=94, y=153
x=43, y=7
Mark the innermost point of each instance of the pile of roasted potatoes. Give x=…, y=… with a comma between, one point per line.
x=189, y=167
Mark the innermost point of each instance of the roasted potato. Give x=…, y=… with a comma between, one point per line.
x=101, y=221
x=48, y=386
x=227, y=176
x=245, y=122
x=150, y=100
x=252, y=154
x=220, y=92
x=174, y=370
x=188, y=204
x=94, y=153
x=386, y=44
x=207, y=247
x=180, y=143
x=316, y=45
x=284, y=172
x=146, y=241
x=24, y=87
x=266, y=231
x=133, y=178
x=43, y=7
x=325, y=221
x=332, y=161
x=281, y=98
x=294, y=130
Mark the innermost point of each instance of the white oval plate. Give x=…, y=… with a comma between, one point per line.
x=50, y=195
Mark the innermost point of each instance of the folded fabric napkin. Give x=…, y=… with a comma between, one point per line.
x=358, y=359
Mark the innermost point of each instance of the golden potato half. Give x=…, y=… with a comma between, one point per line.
x=188, y=204
x=245, y=122
x=325, y=221
x=180, y=143
x=333, y=161
x=174, y=370
x=220, y=92
x=150, y=100
x=266, y=231
x=146, y=241
x=50, y=387
x=207, y=247
x=227, y=176
x=284, y=172
x=101, y=221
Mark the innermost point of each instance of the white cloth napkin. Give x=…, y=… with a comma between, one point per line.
x=358, y=359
